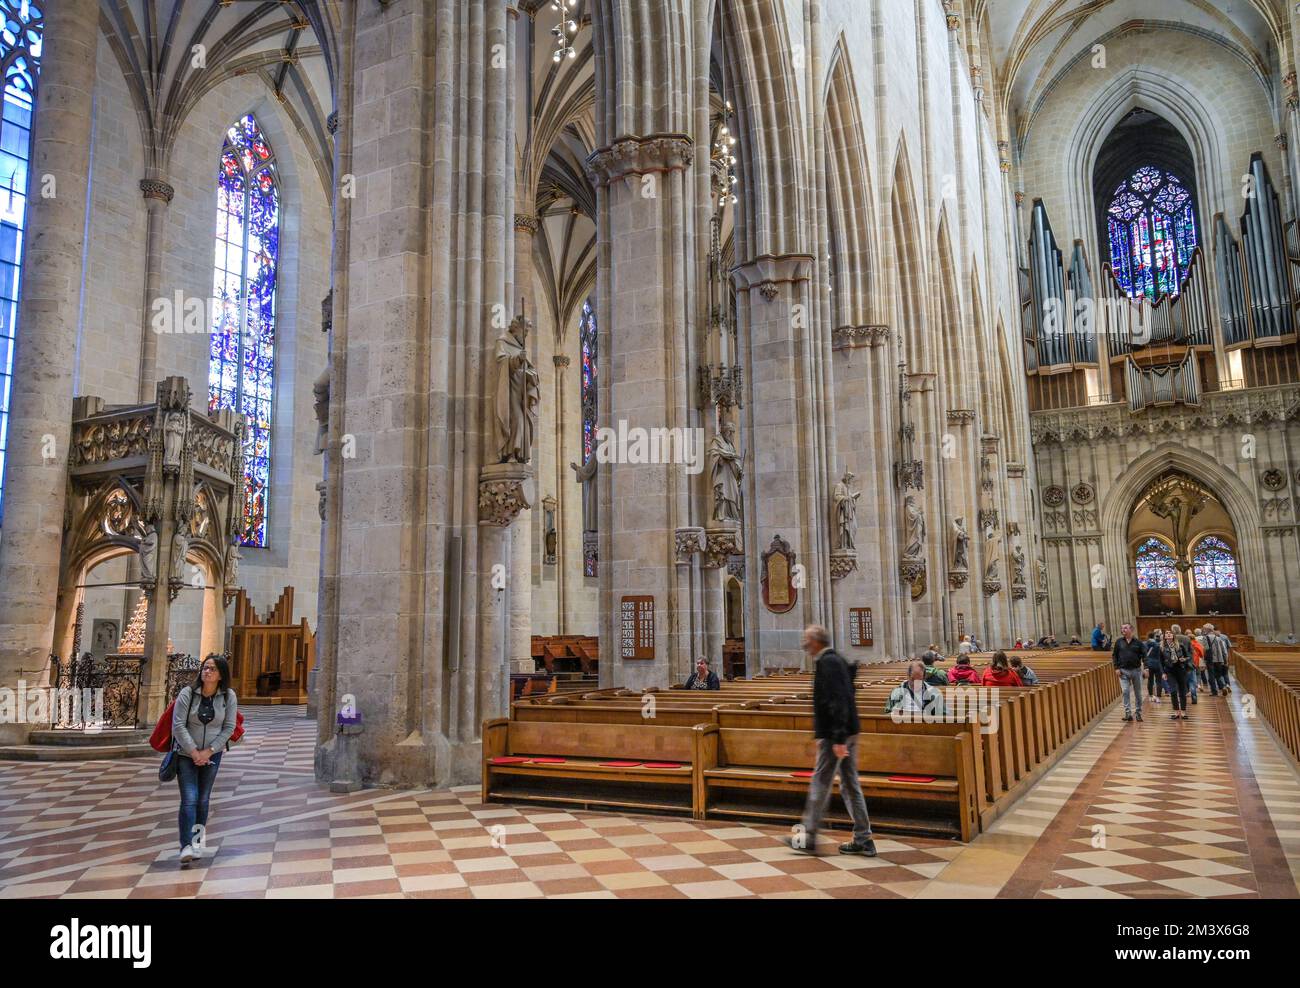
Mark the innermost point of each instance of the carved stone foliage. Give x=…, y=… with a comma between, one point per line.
x=1082, y=493
x=720, y=545
x=1104, y=423
x=957, y=579
x=842, y=564
x=687, y=542
x=1273, y=479
x=500, y=499
x=853, y=337
x=638, y=156
x=103, y=441
x=1054, y=495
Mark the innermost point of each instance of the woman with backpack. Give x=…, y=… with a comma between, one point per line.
x=1176, y=658
x=203, y=719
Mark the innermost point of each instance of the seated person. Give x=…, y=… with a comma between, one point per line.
x=934, y=675
x=702, y=678
x=964, y=647
x=1100, y=640
x=1289, y=639
x=963, y=672
x=1000, y=673
x=1027, y=675
x=916, y=696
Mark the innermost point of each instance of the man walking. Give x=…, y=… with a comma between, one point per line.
x=1127, y=656
x=836, y=727
x=1217, y=660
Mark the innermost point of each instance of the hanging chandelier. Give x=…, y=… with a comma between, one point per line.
x=723, y=160
x=565, y=30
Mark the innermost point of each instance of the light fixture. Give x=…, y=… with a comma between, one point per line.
x=564, y=31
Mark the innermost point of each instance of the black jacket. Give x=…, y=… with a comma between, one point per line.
x=1175, y=656
x=835, y=714
x=1128, y=654
x=713, y=681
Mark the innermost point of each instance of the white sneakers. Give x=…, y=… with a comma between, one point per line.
x=187, y=854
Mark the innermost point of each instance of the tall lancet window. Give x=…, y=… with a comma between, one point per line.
x=241, y=363
x=21, y=27
x=1152, y=224
x=587, y=342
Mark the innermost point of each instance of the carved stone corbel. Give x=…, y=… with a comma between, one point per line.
x=843, y=562
x=504, y=490
x=720, y=544
x=687, y=542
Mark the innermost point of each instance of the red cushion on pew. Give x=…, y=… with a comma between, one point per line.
x=506, y=760
x=620, y=764
x=911, y=778
x=663, y=764
x=548, y=761
x=802, y=775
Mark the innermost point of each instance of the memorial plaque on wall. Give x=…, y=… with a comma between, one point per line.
x=779, y=592
x=638, y=628
x=860, y=630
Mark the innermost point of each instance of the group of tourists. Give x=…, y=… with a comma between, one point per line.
x=1171, y=662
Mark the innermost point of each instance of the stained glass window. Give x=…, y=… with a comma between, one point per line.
x=587, y=341
x=1155, y=566
x=22, y=24
x=1214, y=567
x=587, y=338
x=241, y=361
x=1152, y=233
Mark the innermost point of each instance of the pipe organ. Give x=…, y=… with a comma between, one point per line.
x=1047, y=283
x=1155, y=386
x=1183, y=319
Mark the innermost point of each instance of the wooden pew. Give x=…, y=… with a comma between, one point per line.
x=580, y=774
x=746, y=773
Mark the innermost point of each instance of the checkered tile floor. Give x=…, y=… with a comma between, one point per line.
x=1208, y=808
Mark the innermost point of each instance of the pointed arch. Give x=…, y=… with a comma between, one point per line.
x=850, y=196
x=907, y=261
x=772, y=166
x=952, y=347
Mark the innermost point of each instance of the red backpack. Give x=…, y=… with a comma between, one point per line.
x=161, y=738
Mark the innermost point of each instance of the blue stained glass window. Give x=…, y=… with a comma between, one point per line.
x=1155, y=566
x=587, y=342
x=1214, y=567
x=22, y=26
x=1152, y=225
x=241, y=360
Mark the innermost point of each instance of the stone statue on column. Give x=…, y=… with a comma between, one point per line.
x=846, y=513
x=959, y=546
x=173, y=439
x=149, y=556
x=992, y=558
x=180, y=546
x=1018, y=566
x=232, y=565
x=518, y=393
x=586, y=476
x=321, y=404
x=914, y=521
x=726, y=474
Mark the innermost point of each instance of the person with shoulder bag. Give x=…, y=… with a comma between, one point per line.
x=1177, y=661
x=203, y=719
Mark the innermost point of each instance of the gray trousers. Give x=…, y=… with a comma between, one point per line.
x=1131, y=679
x=819, y=791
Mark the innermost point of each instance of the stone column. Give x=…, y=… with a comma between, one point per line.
x=644, y=197
x=519, y=642
x=40, y=410
x=776, y=305
x=157, y=195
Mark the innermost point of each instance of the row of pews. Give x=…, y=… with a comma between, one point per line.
x=746, y=751
x=566, y=653
x=1271, y=675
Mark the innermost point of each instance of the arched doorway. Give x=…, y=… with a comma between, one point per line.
x=1183, y=556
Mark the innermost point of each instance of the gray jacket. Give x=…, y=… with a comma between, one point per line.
x=190, y=733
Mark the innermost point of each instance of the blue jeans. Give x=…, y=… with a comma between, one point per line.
x=1131, y=682
x=195, y=783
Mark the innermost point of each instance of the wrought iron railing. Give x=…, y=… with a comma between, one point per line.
x=96, y=693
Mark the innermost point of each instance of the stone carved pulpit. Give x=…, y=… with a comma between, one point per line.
x=164, y=483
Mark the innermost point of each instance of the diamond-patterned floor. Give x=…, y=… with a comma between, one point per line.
x=1161, y=809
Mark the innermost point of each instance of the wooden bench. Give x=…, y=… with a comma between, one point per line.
x=749, y=773
x=581, y=773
